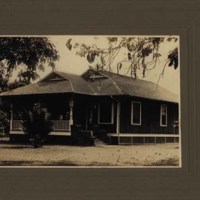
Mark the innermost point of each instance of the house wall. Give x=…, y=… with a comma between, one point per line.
x=150, y=117
x=111, y=127
x=86, y=113
x=84, y=104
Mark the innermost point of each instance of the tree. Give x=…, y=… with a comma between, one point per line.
x=36, y=123
x=140, y=53
x=31, y=53
x=4, y=119
x=27, y=56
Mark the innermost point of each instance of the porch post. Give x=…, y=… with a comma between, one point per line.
x=71, y=105
x=11, y=117
x=118, y=121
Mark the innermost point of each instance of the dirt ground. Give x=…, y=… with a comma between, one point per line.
x=109, y=155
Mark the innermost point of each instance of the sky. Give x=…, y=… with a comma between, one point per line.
x=71, y=63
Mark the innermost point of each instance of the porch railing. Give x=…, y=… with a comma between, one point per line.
x=16, y=125
x=58, y=125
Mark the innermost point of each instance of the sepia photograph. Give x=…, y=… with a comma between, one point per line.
x=90, y=101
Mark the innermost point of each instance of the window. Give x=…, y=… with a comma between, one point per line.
x=106, y=113
x=163, y=115
x=136, y=112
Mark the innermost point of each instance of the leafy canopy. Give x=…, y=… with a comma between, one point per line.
x=141, y=53
x=30, y=52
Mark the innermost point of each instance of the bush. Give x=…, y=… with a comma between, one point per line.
x=4, y=120
x=36, y=123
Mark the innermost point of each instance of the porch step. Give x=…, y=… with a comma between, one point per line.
x=99, y=142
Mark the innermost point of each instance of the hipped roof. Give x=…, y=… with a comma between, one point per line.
x=95, y=83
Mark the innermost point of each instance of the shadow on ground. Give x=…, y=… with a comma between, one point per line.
x=36, y=163
x=165, y=162
x=16, y=147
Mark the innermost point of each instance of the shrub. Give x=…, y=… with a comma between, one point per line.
x=36, y=123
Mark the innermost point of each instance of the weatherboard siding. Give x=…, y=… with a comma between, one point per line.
x=150, y=117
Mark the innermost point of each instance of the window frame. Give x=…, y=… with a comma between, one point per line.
x=161, y=124
x=132, y=110
x=112, y=114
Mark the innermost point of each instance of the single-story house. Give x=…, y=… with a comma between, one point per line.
x=127, y=110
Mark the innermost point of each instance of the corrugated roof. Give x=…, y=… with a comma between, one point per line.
x=141, y=88
x=78, y=84
x=69, y=84
x=40, y=88
x=109, y=84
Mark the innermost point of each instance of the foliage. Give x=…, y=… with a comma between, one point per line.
x=81, y=137
x=173, y=58
x=141, y=53
x=36, y=123
x=4, y=118
x=30, y=52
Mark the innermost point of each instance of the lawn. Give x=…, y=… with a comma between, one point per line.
x=109, y=155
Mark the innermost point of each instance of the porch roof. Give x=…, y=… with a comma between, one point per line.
x=106, y=84
x=69, y=83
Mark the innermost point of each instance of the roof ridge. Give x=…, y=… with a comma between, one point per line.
x=70, y=81
x=66, y=73
x=114, y=82
x=71, y=85
x=50, y=73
